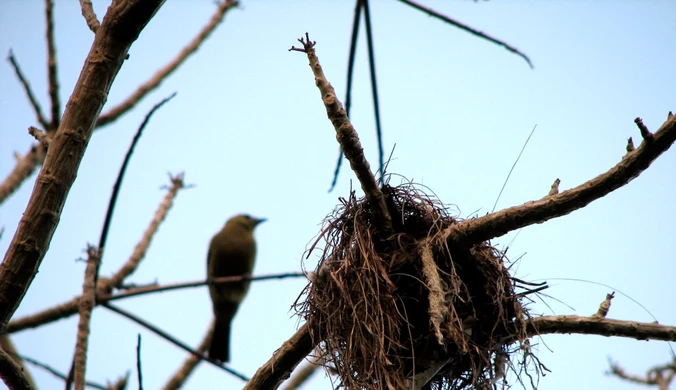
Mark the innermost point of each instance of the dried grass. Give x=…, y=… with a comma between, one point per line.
x=385, y=311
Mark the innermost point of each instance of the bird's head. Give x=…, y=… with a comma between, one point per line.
x=245, y=221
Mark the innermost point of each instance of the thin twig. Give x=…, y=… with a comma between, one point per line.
x=468, y=29
x=177, y=286
x=374, y=88
x=139, y=371
x=151, y=84
x=170, y=338
x=57, y=373
x=52, y=73
x=89, y=15
x=501, y=222
x=40, y=117
x=181, y=375
x=349, y=141
x=120, y=177
x=512, y=168
x=70, y=307
x=120, y=28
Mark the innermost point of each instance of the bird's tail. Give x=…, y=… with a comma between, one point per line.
x=220, y=342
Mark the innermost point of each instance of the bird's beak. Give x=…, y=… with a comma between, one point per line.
x=259, y=220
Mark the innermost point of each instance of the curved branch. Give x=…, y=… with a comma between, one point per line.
x=632, y=164
x=11, y=373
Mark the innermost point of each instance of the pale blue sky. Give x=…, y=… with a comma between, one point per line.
x=249, y=129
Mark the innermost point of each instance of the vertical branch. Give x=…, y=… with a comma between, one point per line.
x=120, y=28
x=51, y=69
x=86, y=305
x=374, y=87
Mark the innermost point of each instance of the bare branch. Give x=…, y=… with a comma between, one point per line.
x=24, y=168
x=114, y=113
x=283, y=361
x=56, y=372
x=52, y=73
x=301, y=375
x=11, y=373
x=29, y=92
x=139, y=371
x=632, y=164
x=181, y=375
x=349, y=142
x=468, y=29
x=40, y=135
x=140, y=250
x=89, y=15
x=7, y=345
x=120, y=28
x=69, y=308
x=87, y=303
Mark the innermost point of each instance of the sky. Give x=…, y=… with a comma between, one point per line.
x=249, y=130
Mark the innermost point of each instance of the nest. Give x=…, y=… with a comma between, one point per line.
x=385, y=311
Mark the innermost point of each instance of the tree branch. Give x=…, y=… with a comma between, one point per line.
x=11, y=373
x=40, y=117
x=120, y=28
x=632, y=164
x=114, y=113
x=283, y=361
x=89, y=15
x=349, y=142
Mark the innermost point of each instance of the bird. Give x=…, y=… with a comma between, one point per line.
x=232, y=252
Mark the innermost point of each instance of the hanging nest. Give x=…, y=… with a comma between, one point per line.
x=385, y=311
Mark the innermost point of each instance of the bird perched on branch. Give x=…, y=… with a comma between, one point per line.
x=232, y=252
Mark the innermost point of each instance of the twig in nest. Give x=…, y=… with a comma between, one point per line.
x=604, y=306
